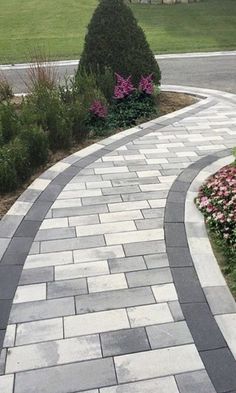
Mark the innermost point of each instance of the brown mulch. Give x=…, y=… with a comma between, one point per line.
x=169, y=102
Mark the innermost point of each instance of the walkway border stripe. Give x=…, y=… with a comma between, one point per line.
x=208, y=338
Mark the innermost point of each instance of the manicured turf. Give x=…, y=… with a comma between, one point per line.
x=60, y=25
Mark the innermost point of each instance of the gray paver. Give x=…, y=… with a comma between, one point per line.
x=144, y=248
x=42, y=309
x=156, y=260
x=118, y=265
x=169, y=335
x=72, y=244
x=55, y=233
x=149, y=277
x=114, y=299
x=36, y=275
x=66, y=288
x=124, y=341
x=196, y=382
x=225, y=305
x=67, y=378
x=176, y=310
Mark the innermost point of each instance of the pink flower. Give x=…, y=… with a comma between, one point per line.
x=98, y=109
x=146, y=84
x=123, y=88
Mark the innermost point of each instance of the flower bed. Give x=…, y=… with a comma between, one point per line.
x=217, y=201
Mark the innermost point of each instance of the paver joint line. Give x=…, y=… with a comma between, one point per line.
x=101, y=274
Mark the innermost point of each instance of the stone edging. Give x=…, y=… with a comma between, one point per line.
x=205, y=299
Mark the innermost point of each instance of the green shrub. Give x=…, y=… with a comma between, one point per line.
x=115, y=40
x=9, y=121
x=36, y=142
x=106, y=83
x=8, y=175
x=48, y=110
x=19, y=156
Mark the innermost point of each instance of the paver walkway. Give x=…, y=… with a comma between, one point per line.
x=108, y=300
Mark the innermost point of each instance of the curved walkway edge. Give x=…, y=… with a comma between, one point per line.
x=102, y=289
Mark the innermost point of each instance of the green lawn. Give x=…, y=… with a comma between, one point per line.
x=59, y=26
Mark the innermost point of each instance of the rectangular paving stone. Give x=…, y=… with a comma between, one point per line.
x=38, y=210
x=6, y=383
x=150, y=223
x=79, y=211
x=37, y=331
x=113, y=300
x=117, y=207
x=37, y=275
x=42, y=309
x=118, y=265
x=226, y=304
x=9, y=339
x=141, y=196
x=120, y=216
x=66, y=288
x=157, y=363
x=81, y=270
x=165, y=292
x=67, y=378
x=179, y=256
x=203, y=326
x=156, y=260
x=132, y=236
x=79, y=193
x=27, y=293
x=96, y=322
x=107, y=283
x=149, y=277
x=169, y=335
x=221, y=369
x=187, y=285
x=52, y=223
x=27, y=228
x=227, y=325
x=52, y=353
x=176, y=310
x=99, y=253
x=72, y=244
x=160, y=385
x=175, y=235
x=120, y=190
x=5, y=307
x=90, y=201
x=3, y=354
x=149, y=314
x=100, y=229
x=55, y=233
x=48, y=259
x=124, y=341
x=195, y=382
x=153, y=213
x=144, y=248
x=83, y=220
x=9, y=224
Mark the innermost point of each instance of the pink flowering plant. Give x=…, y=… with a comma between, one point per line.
x=123, y=88
x=146, y=85
x=217, y=201
x=98, y=109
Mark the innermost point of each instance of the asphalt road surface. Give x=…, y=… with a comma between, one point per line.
x=213, y=72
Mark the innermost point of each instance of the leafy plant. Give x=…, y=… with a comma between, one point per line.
x=36, y=142
x=9, y=121
x=6, y=92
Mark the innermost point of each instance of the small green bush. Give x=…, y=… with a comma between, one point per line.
x=106, y=83
x=36, y=142
x=9, y=122
x=8, y=175
x=49, y=111
x=19, y=156
x=115, y=40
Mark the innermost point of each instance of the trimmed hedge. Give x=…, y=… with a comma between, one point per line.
x=115, y=41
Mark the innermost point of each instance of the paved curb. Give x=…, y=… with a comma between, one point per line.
x=64, y=63
x=203, y=294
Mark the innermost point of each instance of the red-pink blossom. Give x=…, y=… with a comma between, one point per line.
x=98, y=109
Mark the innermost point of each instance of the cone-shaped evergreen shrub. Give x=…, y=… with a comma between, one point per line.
x=114, y=40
